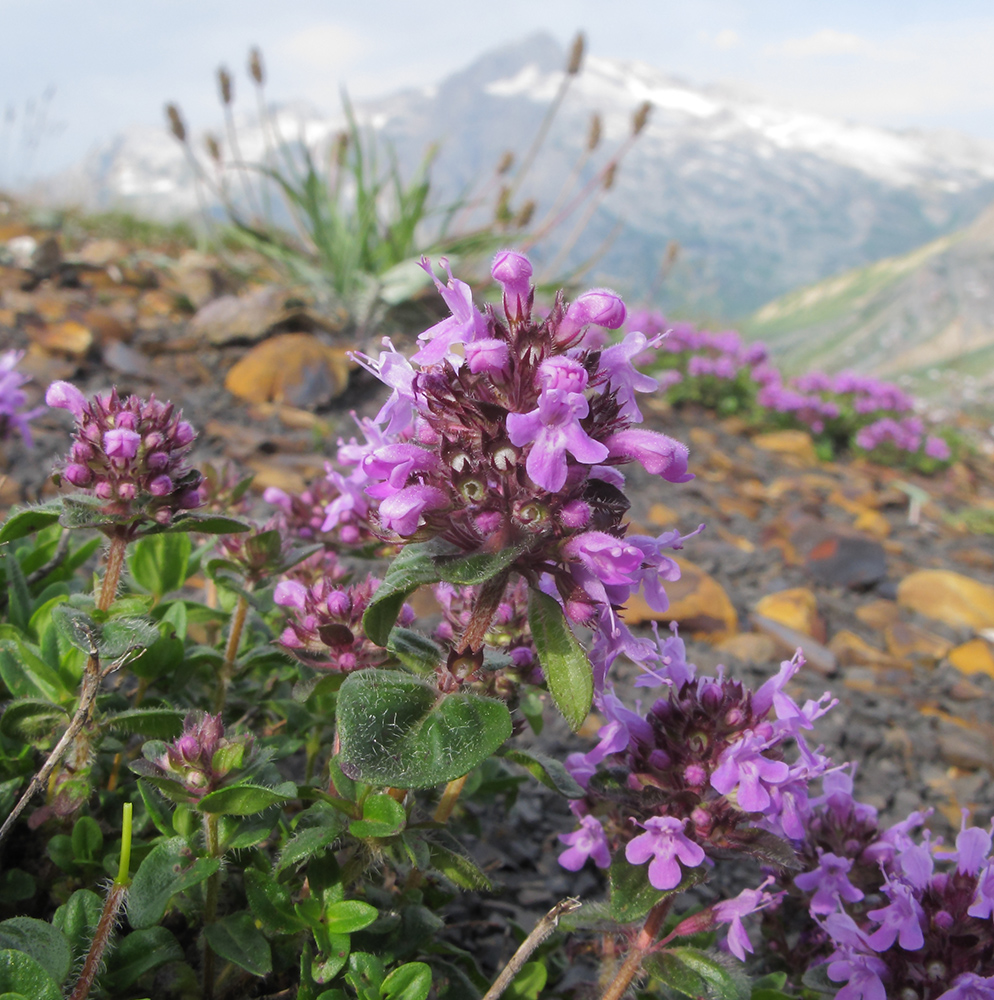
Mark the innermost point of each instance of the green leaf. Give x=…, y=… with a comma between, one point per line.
x=26, y=673
x=416, y=651
x=30, y=719
x=398, y=730
x=169, y=868
x=141, y=952
x=19, y=601
x=16, y=885
x=477, y=568
x=155, y=723
x=415, y=565
x=382, y=816
x=566, y=666
x=633, y=895
x=20, y=973
x=270, y=902
x=46, y=944
x=156, y=813
x=548, y=770
x=774, y=981
x=87, y=839
x=411, y=981
x=77, y=918
x=158, y=563
x=235, y=938
x=697, y=974
x=331, y=959
x=529, y=982
x=244, y=800
x=206, y=524
x=349, y=916
x=311, y=840
x=27, y=520
x=458, y=868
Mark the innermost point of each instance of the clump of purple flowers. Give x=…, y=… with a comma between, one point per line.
x=846, y=410
x=702, y=775
x=13, y=399
x=130, y=454
x=506, y=433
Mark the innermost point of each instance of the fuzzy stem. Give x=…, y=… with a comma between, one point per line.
x=485, y=607
x=210, y=900
x=112, y=574
x=641, y=947
x=449, y=798
x=108, y=918
x=539, y=933
x=231, y=651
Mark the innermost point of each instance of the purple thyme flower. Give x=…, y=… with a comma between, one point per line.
x=829, y=882
x=901, y=921
x=623, y=377
x=13, y=399
x=970, y=986
x=664, y=841
x=983, y=902
x=513, y=272
x=599, y=307
x=464, y=325
x=731, y=912
x=656, y=453
x=743, y=766
x=587, y=842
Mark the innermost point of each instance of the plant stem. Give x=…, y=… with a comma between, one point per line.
x=539, y=933
x=210, y=900
x=449, y=798
x=112, y=574
x=641, y=947
x=108, y=918
x=485, y=607
x=231, y=652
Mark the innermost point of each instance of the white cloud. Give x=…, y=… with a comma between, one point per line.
x=826, y=42
x=324, y=49
x=727, y=39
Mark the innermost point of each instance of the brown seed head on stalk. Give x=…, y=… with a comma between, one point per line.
x=176, y=124
x=640, y=117
x=612, y=169
x=224, y=85
x=213, y=147
x=576, y=54
x=255, y=66
x=502, y=213
x=594, y=135
x=341, y=147
x=505, y=163
x=525, y=214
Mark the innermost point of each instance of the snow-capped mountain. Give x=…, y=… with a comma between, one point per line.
x=760, y=199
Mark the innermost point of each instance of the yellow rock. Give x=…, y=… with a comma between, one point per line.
x=796, y=608
x=948, y=597
x=697, y=601
x=873, y=523
x=879, y=614
x=293, y=368
x=795, y=443
x=854, y=651
x=911, y=642
x=68, y=337
x=751, y=647
x=973, y=657
x=662, y=515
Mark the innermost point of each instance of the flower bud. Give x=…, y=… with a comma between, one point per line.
x=78, y=475
x=598, y=306
x=120, y=442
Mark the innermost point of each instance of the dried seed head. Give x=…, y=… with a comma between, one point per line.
x=224, y=85
x=256, y=69
x=576, y=55
x=594, y=135
x=213, y=147
x=341, y=147
x=612, y=169
x=176, y=124
x=502, y=212
x=641, y=117
x=525, y=214
x=505, y=163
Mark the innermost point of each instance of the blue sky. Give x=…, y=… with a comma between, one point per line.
x=113, y=63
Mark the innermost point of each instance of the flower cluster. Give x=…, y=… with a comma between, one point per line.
x=507, y=435
x=845, y=410
x=130, y=453
x=325, y=627
x=892, y=915
x=702, y=774
x=13, y=415
x=197, y=762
